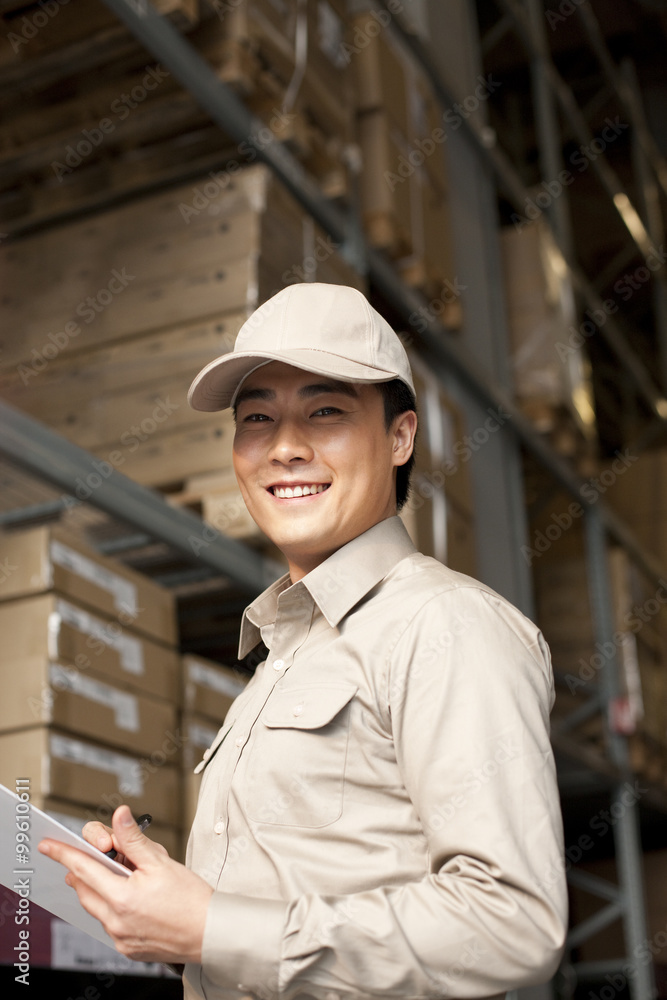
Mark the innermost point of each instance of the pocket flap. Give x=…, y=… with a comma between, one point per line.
x=307, y=707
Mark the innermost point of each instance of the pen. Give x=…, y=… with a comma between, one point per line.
x=143, y=823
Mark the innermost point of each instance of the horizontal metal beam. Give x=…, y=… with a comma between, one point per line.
x=47, y=455
x=594, y=885
x=594, y=924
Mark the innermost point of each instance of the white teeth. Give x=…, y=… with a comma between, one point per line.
x=286, y=492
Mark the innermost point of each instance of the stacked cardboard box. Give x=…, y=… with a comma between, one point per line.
x=106, y=339
x=549, y=368
x=404, y=186
x=208, y=692
x=439, y=512
x=90, y=709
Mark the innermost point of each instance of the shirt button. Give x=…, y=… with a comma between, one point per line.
x=278, y=664
x=219, y=827
x=297, y=710
x=239, y=741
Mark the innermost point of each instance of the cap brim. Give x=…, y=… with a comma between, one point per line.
x=215, y=385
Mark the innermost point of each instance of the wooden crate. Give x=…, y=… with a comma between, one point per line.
x=188, y=265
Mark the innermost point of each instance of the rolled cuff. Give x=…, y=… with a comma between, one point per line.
x=242, y=943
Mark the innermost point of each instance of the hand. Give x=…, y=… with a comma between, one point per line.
x=101, y=836
x=158, y=913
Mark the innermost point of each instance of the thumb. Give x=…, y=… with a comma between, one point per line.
x=130, y=839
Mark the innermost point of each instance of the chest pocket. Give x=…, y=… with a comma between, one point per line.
x=298, y=751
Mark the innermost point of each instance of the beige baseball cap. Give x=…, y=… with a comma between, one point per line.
x=327, y=329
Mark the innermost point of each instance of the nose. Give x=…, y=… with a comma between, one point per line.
x=290, y=444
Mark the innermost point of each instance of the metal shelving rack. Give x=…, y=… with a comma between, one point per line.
x=480, y=169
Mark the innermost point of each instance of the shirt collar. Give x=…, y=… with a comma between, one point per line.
x=338, y=583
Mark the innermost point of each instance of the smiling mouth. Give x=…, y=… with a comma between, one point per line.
x=298, y=490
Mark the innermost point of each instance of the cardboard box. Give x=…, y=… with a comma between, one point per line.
x=64, y=767
x=201, y=250
x=78, y=702
x=381, y=70
x=48, y=558
x=47, y=627
x=541, y=316
x=223, y=506
x=165, y=460
x=72, y=382
x=385, y=201
x=209, y=688
x=198, y=734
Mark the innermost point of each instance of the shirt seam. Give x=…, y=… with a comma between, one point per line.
x=491, y=600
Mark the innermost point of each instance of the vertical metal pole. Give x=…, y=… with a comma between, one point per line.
x=624, y=805
x=546, y=125
x=601, y=605
x=631, y=880
x=495, y=465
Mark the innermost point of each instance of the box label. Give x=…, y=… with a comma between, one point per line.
x=201, y=736
x=129, y=649
x=214, y=680
x=124, y=706
x=126, y=769
x=123, y=591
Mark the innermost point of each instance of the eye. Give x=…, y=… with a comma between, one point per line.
x=326, y=410
x=255, y=417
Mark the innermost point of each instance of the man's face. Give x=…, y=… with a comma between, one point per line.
x=301, y=432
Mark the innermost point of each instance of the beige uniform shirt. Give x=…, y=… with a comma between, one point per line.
x=379, y=813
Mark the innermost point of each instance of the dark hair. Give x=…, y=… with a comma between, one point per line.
x=398, y=398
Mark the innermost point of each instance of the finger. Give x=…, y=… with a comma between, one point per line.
x=81, y=865
x=131, y=842
x=98, y=835
x=90, y=900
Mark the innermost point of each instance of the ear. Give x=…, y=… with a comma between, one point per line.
x=405, y=429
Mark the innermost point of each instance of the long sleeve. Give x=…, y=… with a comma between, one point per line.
x=468, y=694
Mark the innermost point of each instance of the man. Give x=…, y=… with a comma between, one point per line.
x=378, y=813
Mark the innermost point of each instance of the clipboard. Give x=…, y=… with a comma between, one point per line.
x=40, y=879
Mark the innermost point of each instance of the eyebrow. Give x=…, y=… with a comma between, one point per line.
x=305, y=392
